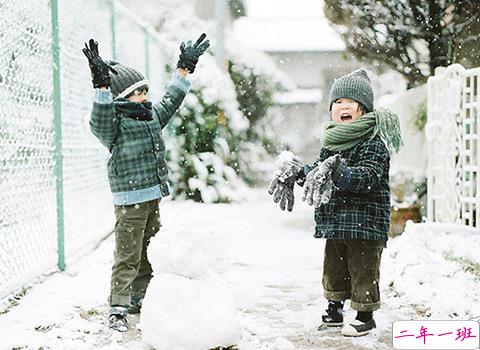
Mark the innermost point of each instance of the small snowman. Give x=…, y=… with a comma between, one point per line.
x=187, y=306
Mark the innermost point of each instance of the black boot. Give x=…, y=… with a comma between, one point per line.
x=361, y=325
x=135, y=305
x=118, y=318
x=334, y=314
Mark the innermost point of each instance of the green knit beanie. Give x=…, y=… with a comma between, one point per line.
x=126, y=81
x=355, y=86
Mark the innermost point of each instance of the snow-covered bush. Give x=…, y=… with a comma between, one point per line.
x=420, y=117
x=203, y=137
x=220, y=135
x=257, y=80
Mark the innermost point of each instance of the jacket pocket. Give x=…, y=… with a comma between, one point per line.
x=377, y=217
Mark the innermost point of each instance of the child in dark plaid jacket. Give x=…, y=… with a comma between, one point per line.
x=348, y=185
x=130, y=127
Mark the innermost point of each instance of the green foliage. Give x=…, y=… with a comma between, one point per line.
x=200, y=130
x=208, y=150
x=420, y=117
x=237, y=8
x=412, y=37
x=254, y=93
x=467, y=264
x=193, y=138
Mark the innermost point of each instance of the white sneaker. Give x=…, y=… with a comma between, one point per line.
x=357, y=328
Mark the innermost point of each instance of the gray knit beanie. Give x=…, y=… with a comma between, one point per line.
x=355, y=86
x=126, y=81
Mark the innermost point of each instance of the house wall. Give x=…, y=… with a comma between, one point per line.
x=301, y=123
x=412, y=157
x=205, y=9
x=315, y=69
x=298, y=129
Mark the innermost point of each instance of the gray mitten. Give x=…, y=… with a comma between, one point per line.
x=318, y=185
x=284, y=194
x=284, y=179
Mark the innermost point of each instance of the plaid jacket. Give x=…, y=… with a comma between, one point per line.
x=137, y=147
x=360, y=205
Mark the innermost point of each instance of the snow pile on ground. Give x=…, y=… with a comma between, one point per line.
x=187, y=306
x=435, y=268
x=283, y=344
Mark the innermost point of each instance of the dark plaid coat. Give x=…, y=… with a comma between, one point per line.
x=361, y=208
x=137, y=148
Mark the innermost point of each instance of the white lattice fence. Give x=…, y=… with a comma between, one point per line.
x=453, y=137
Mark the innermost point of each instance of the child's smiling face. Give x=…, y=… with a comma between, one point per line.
x=345, y=110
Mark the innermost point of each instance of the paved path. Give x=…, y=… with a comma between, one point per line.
x=268, y=257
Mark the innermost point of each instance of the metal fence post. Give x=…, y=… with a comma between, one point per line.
x=147, y=52
x=57, y=110
x=112, y=28
x=220, y=13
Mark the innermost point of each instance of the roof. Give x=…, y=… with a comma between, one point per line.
x=273, y=35
x=285, y=25
x=299, y=96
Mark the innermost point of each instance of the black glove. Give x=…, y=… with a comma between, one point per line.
x=98, y=67
x=189, y=54
x=338, y=169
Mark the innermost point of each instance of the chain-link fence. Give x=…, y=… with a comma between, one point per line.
x=55, y=200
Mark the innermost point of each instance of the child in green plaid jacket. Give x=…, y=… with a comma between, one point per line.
x=130, y=127
x=348, y=185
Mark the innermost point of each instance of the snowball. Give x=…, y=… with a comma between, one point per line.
x=188, y=314
x=186, y=306
x=168, y=254
x=284, y=157
x=283, y=344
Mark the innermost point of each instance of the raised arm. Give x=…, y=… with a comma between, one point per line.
x=179, y=85
x=173, y=97
x=103, y=122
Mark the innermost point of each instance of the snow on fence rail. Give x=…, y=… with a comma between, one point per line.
x=55, y=201
x=453, y=137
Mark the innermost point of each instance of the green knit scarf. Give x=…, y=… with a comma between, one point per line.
x=343, y=136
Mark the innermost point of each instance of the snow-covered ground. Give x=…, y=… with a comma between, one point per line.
x=273, y=267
